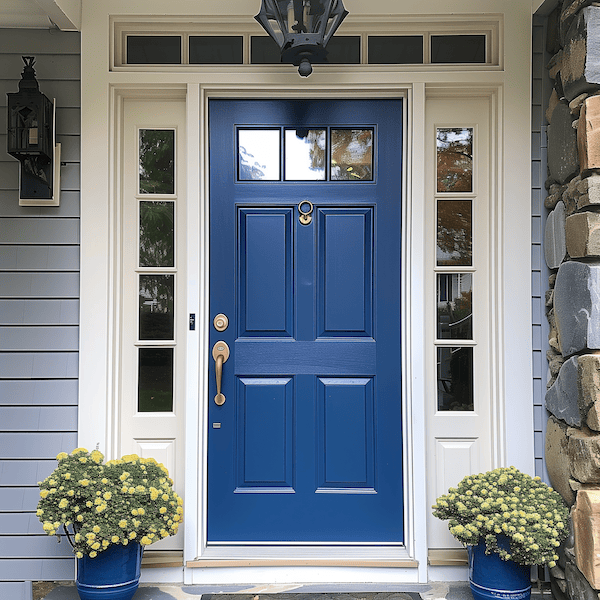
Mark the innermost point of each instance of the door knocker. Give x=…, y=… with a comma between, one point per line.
x=305, y=209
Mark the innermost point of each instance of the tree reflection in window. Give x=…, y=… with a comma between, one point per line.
x=454, y=233
x=455, y=306
x=157, y=161
x=454, y=159
x=351, y=154
x=157, y=234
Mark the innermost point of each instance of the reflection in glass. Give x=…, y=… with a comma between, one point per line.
x=458, y=48
x=455, y=306
x=157, y=161
x=157, y=234
x=155, y=380
x=454, y=233
x=258, y=154
x=156, y=307
x=351, y=154
x=304, y=154
x=454, y=159
x=455, y=379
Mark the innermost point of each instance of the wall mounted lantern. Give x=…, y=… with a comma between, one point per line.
x=302, y=29
x=31, y=140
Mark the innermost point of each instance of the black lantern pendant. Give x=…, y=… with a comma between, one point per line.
x=302, y=28
x=31, y=139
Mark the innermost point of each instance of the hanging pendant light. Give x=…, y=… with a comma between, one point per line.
x=302, y=29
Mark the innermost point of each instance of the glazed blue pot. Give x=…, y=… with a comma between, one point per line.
x=492, y=578
x=112, y=575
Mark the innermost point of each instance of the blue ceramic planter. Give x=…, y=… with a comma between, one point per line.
x=492, y=578
x=113, y=575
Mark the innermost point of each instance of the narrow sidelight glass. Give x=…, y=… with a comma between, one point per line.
x=157, y=161
x=454, y=233
x=155, y=380
x=157, y=317
x=455, y=379
x=157, y=234
x=454, y=159
x=455, y=306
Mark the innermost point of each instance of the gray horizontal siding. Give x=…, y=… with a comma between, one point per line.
x=36, y=569
x=38, y=391
x=69, y=206
x=39, y=338
x=38, y=418
x=39, y=258
x=39, y=316
x=39, y=365
x=39, y=312
x=39, y=285
x=24, y=472
x=35, y=446
x=39, y=231
x=17, y=590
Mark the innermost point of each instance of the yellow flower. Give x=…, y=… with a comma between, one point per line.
x=82, y=459
x=134, y=512
x=44, y=493
x=67, y=475
x=79, y=554
x=97, y=456
x=62, y=456
x=124, y=475
x=80, y=518
x=84, y=482
x=145, y=541
x=105, y=543
x=107, y=495
x=132, y=535
x=96, y=545
x=39, y=512
x=79, y=451
x=141, y=511
x=153, y=493
x=96, y=529
x=93, y=554
x=162, y=510
x=71, y=493
x=114, y=539
x=122, y=523
x=165, y=497
x=63, y=503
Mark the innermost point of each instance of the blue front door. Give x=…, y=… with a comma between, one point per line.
x=305, y=206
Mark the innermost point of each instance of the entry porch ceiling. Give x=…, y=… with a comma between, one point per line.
x=41, y=14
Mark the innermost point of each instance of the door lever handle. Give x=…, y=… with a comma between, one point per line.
x=220, y=353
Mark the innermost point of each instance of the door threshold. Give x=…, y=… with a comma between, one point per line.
x=305, y=556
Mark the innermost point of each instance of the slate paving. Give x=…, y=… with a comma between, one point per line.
x=429, y=591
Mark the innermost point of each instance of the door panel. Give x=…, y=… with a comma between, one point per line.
x=308, y=445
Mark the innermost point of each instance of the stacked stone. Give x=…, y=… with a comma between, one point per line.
x=572, y=250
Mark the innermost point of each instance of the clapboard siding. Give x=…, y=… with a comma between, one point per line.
x=39, y=285
x=38, y=391
x=36, y=569
x=24, y=472
x=17, y=590
x=39, y=314
x=39, y=258
x=39, y=365
x=39, y=231
x=36, y=445
x=38, y=418
x=69, y=206
x=22, y=523
x=24, y=546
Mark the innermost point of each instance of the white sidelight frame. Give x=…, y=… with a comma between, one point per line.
x=102, y=93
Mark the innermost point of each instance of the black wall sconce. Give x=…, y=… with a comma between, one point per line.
x=32, y=141
x=302, y=28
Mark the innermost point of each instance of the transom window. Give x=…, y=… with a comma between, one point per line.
x=237, y=41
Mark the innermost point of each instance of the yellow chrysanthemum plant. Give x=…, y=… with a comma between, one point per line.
x=506, y=502
x=124, y=500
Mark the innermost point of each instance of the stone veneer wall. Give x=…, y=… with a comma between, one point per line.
x=572, y=251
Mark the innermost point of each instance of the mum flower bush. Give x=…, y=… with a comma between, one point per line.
x=124, y=500
x=506, y=502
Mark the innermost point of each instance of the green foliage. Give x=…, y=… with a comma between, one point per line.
x=506, y=502
x=114, y=503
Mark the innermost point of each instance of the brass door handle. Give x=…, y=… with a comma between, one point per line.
x=220, y=353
